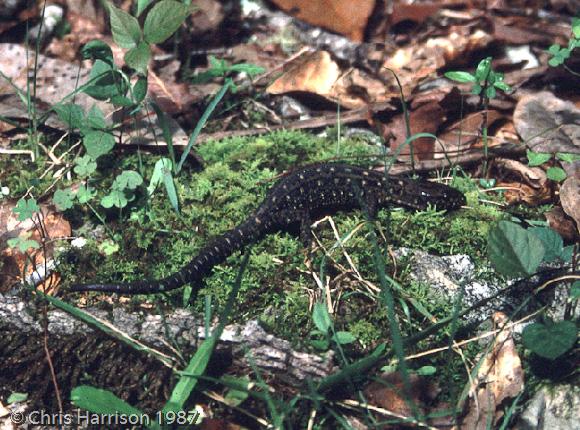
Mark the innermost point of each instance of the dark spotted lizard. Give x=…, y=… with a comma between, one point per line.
x=304, y=195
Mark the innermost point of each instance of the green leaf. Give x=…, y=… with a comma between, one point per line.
x=576, y=27
x=157, y=175
x=567, y=157
x=70, y=113
x=426, y=371
x=138, y=58
x=170, y=189
x=140, y=89
x=102, y=402
x=115, y=198
x=23, y=243
x=502, y=86
x=85, y=166
x=142, y=5
x=25, y=208
x=343, y=337
x=105, y=82
x=462, y=77
x=476, y=89
x=490, y=92
x=96, y=118
x=537, y=158
x=513, y=250
x=320, y=344
x=85, y=194
x=98, y=50
x=63, y=199
x=550, y=340
x=98, y=143
x=125, y=28
x=127, y=180
x=235, y=397
x=17, y=397
x=483, y=70
x=321, y=318
x=575, y=290
x=163, y=20
x=552, y=241
x=556, y=174
x=109, y=247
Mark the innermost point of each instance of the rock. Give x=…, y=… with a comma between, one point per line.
x=552, y=408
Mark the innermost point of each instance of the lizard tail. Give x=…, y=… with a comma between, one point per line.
x=210, y=255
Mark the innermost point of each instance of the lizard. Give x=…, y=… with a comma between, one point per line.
x=291, y=204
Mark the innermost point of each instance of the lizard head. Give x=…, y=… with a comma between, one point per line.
x=421, y=194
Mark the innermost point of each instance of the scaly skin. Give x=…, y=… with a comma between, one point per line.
x=291, y=205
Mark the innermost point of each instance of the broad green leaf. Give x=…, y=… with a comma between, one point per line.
x=163, y=20
x=320, y=344
x=513, y=250
x=25, y=208
x=109, y=247
x=98, y=143
x=85, y=194
x=70, y=113
x=321, y=318
x=98, y=50
x=16, y=397
x=138, y=58
x=426, y=371
x=556, y=174
x=63, y=199
x=550, y=340
x=537, y=158
x=502, y=86
x=483, y=70
x=552, y=241
x=85, y=166
x=344, y=337
x=96, y=118
x=140, y=89
x=490, y=92
x=125, y=28
x=105, y=82
x=115, y=198
x=142, y=5
x=128, y=179
x=102, y=402
x=462, y=77
x=576, y=27
x=567, y=157
x=23, y=243
x=575, y=290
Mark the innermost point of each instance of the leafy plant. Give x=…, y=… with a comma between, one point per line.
x=324, y=334
x=485, y=83
x=550, y=339
x=561, y=54
x=514, y=251
x=555, y=173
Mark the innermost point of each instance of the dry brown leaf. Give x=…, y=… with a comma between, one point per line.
x=499, y=377
x=563, y=224
x=548, y=124
x=15, y=262
x=469, y=129
x=423, y=59
x=340, y=16
x=318, y=73
x=570, y=198
x=388, y=393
